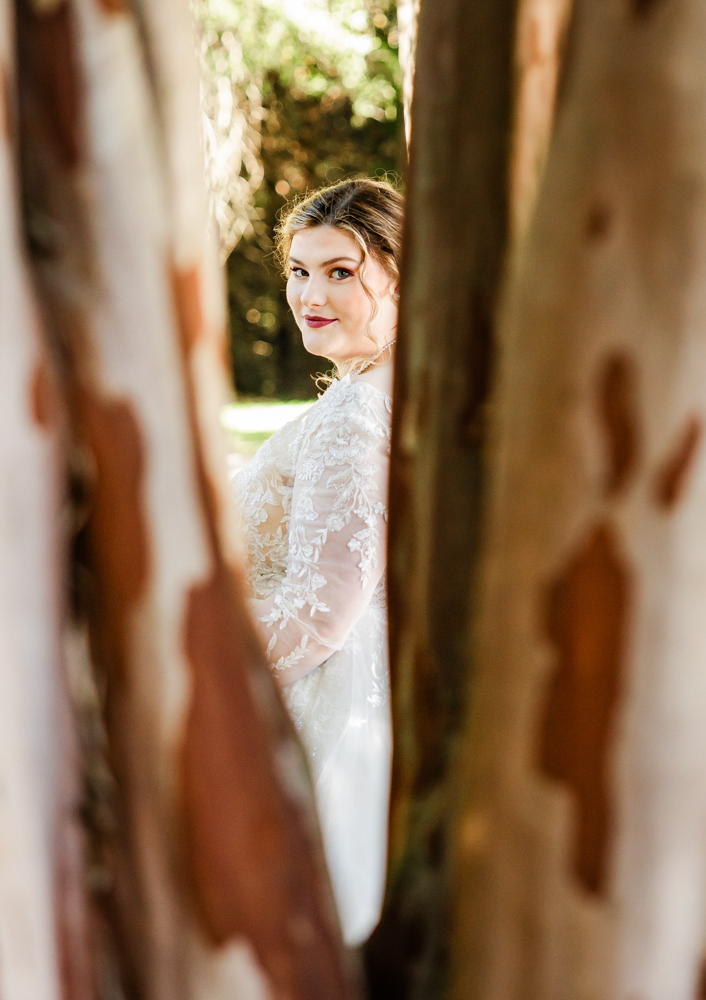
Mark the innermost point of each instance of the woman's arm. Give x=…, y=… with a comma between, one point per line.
x=336, y=543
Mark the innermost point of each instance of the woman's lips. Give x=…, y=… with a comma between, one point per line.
x=317, y=321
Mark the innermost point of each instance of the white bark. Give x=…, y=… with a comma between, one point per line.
x=581, y=841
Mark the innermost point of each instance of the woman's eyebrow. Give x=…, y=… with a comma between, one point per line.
x=293, y=260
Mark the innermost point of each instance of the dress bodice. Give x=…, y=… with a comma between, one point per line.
x=313, y=505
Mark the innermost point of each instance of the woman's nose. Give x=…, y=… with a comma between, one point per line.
x=313, y=294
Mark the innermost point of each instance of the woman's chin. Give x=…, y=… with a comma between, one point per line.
x=315, y=343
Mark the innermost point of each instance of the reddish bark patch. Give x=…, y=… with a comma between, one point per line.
x=672, y=475
x=56, y=74
x=187, y=295
x=186, y=287
x=598, y=221
x=618, y=412
x=117, y=530
x=43, y=397
x=243, y=837
x=112, y=6
x=642, y=9
x=587, y=609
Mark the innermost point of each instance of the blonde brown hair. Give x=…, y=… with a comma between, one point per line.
x=372, y=212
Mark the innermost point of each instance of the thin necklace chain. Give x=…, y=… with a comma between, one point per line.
x=374, y=361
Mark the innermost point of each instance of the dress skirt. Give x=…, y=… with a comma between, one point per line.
x=342, y=712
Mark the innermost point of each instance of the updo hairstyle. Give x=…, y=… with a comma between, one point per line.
x=372, y=212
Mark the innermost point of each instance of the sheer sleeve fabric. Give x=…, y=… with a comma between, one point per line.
x=336, y=553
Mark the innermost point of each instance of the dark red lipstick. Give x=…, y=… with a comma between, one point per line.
x=317, y=321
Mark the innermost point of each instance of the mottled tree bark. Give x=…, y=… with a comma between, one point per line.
x=580, y=848
x=212, y=881
x=456, y=237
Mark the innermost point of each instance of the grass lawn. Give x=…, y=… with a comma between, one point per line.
x=249, y=424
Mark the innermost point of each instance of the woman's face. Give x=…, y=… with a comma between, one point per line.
x=329, y=302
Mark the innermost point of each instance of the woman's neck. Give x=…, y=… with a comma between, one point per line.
x=379, y=376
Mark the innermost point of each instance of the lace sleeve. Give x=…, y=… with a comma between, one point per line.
x=336, y=538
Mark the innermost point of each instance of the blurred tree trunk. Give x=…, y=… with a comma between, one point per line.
x=580, y=846
x=456, y=239
x=540, y=35
x=43, y=939
x=204, y=859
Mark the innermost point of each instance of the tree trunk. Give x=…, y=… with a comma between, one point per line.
x=456, y=237
x=213, y=881
x=43, y=938
x=580, y=846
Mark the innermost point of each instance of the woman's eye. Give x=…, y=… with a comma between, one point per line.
x=298, y=272
x=341, y=272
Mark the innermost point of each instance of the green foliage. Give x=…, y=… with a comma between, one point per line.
x=317, y=49
x=321, y=85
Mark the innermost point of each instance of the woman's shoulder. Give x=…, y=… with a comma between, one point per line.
x=348, y=422
x=347, y=399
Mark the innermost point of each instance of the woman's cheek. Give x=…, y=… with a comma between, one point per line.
x=292, y=297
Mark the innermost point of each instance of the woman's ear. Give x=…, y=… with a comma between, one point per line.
x=395, y=293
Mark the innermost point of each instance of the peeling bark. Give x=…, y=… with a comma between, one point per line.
x=618, y=411
x=586, y=621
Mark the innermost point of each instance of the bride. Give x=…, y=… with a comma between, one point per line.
x=313, y=505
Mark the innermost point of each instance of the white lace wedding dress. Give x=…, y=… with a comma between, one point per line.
x=313, y=505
